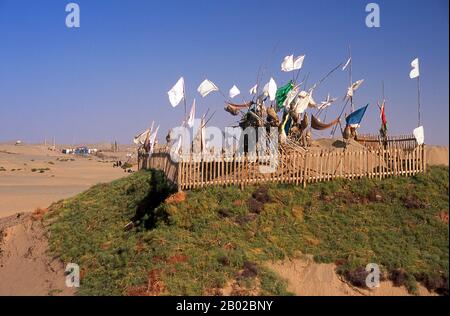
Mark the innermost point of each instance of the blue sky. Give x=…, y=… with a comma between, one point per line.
x=109, y=78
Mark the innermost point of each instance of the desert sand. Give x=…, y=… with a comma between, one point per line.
x=23, y=190
x=25, y=265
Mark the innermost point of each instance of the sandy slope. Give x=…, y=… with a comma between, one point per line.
x=307, y=278
x=25, y=266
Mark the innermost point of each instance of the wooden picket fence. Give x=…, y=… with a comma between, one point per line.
x=374, y=141
x=297, y=168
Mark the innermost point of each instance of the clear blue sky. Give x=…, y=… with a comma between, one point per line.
x=109, y=78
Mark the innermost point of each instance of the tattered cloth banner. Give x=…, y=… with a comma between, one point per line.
x=326, y=103
x=419, y=135
x=289, y=98
x=234, y=91
x=206, y=87
x=253, y=90
x=302, y=102
x=234, y=109
x=176, y=94
x=318, y=125
x=140, y=139
x=353, y=88
x=143, y=137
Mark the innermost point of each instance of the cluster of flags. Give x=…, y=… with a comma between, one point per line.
x=290, y=63
x=147, y=138
x=177, y=93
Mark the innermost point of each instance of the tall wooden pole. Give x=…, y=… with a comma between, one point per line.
x=418, y=100
x=350, y=76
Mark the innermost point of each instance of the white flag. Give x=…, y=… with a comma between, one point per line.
x=253, y=90
x=290, y=63
x=415, y=71
x=355, y=86
x=290, y=97
x=203, y=133
x=178, y=145
x=176, y=94
x=234, y=91
x=206, y=87
x=271, y=89
x=190, y=121
x=152, y=140
x=301, y=103
x=419, y=135
x=347, y=63
x=298, y=62
x=140, y=139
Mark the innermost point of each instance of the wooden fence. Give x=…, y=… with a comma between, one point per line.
x=374, y=141
x=298, y=168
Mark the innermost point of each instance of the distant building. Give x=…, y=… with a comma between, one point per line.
x=81, y=151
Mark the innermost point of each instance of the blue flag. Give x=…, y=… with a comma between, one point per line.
x=355, y=118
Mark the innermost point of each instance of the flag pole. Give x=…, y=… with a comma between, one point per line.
x=418, y=100
x=350, y=75
x=184, y=99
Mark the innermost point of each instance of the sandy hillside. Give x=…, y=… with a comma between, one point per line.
x=307, y=278
x=26, y=268
x=32, y=176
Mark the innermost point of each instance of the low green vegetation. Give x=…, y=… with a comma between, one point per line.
x=65, y=159
x=127, y=165
x=202, y=242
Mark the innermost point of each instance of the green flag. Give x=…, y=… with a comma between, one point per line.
x=282, y=93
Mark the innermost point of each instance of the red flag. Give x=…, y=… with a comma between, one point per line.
x=383, y=114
